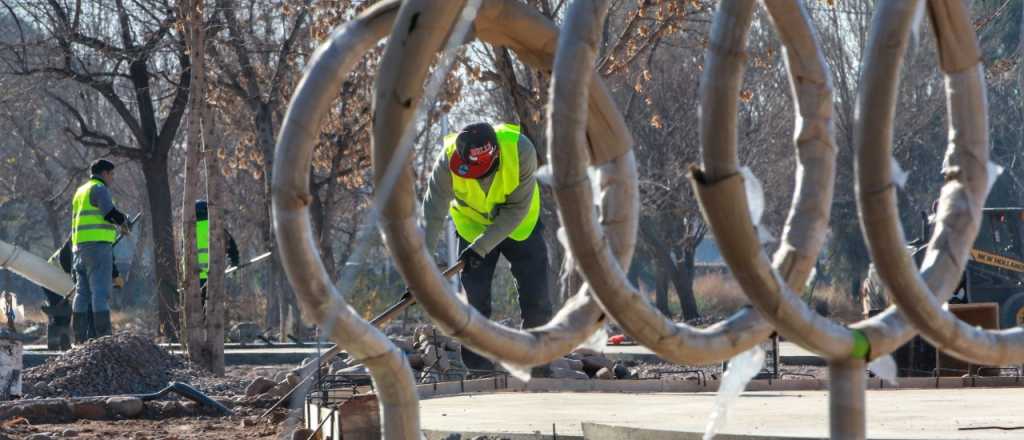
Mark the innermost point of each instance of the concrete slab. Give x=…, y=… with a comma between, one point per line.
x=974, y=413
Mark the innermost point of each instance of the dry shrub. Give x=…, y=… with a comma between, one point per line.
x=718, y=295
x=835, y=303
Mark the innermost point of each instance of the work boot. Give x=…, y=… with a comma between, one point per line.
x=80, y=327
x=101, y=322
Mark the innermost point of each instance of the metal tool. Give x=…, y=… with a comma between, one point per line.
x=379, y=321
x=255, y=260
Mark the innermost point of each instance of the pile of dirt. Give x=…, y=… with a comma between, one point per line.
x=123, y=363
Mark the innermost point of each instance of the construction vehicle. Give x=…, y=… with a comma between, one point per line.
x=994, y=276
x=995, y=272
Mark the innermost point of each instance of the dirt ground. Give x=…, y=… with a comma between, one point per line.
x=136, y=429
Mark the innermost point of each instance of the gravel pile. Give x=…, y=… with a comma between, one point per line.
x=123, y=363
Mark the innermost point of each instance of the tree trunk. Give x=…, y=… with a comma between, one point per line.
x=193, y=316
x=216, y=294
x=277, y=284
x=164, y=261
x=661, y=291
x=318, y=211
x=683, y=282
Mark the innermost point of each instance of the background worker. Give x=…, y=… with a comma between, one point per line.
x=203, y=244
x=58, y=308
x=95, y=223
x=484, y=179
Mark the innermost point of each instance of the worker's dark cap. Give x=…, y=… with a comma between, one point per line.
x=202, y=211
x=101, y=165
x=475, y=136
x=475, y=164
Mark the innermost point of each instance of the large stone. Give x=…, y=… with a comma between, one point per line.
x=127, y=407
x=565, y=373
x=568, y=364
x=259, y=386
x=278, y=391
x=37, y=411
x=596, y=362
x=89, y=409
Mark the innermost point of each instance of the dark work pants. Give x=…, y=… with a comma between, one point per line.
x=529, y=259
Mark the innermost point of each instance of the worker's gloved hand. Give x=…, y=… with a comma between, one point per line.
x=470, y=259
x=124, y=229
x=118, y=282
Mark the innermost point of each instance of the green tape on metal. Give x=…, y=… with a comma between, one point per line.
x=861, y=345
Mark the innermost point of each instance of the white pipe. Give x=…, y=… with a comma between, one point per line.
x=34, y=268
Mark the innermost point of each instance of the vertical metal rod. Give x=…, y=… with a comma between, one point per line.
x=846, y=400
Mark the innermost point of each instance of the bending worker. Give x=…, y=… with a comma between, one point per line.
x=95, y=223
x=485, y=181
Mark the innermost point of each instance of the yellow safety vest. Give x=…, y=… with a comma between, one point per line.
x=87, y=222
x=203, y=247
x=471, y=211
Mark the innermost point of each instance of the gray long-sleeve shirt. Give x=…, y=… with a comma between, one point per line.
x=505, y=217
x=100, y=198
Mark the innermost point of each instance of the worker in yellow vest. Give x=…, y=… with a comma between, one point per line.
x=203, y=244
x=485, y=181
x=95, y=223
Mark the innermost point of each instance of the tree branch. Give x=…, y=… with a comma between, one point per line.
x=282, y=57
x=91, y=138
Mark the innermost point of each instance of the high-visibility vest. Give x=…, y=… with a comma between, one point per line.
x=471, y=210
x=87, y=222
x=203, y=247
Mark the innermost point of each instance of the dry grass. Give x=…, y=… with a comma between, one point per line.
x=836, y=304
x=719, y=295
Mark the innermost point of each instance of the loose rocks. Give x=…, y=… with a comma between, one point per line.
x=123, y=363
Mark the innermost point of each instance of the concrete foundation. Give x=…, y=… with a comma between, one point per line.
x=966, y=413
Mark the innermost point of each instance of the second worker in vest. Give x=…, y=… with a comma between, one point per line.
x=203, y=244
x=485, y=181
x=95, y=223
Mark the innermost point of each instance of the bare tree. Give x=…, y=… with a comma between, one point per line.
x=132, y=57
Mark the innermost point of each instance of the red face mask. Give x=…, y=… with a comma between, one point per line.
x=477, y=165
